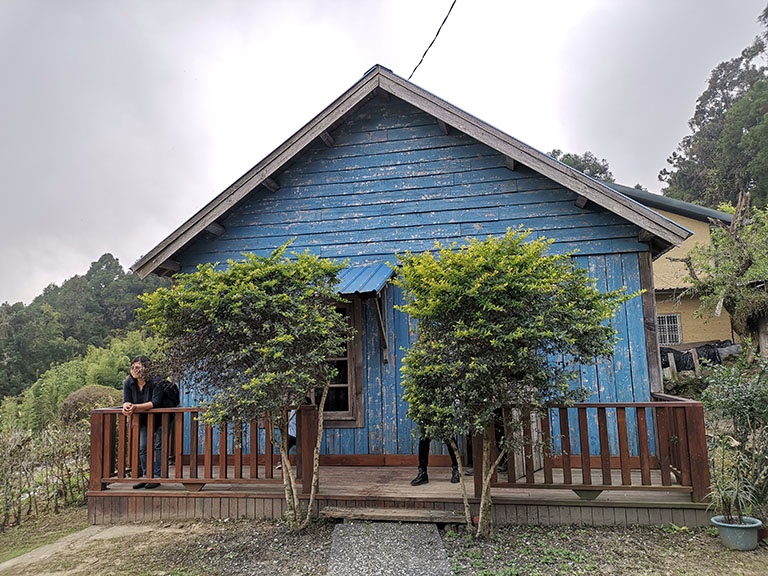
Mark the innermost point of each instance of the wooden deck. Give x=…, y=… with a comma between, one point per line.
x=389, y=487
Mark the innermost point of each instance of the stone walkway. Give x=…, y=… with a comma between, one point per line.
x=362, y=548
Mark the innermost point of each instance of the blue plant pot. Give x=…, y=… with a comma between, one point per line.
x=738, y=536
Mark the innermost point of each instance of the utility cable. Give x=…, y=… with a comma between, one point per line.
x=433, y=39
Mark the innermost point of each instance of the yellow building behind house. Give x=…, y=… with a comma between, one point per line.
x=679, y=323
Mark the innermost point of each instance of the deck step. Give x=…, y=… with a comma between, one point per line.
x=393, y=515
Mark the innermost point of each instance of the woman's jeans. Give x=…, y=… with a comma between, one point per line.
x=143, y=450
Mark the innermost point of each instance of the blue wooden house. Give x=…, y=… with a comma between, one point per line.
x=389, y=167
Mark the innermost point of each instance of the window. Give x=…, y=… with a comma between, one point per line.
x=344, y=403
x=669, y=328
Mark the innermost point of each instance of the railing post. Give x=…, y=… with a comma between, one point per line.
x=697, y=450
x=97, y=451
x=306, y=431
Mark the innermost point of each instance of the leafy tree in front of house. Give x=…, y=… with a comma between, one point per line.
x=501, y=324
x=257, y=334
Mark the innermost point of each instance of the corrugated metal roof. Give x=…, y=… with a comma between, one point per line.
x=364, y=279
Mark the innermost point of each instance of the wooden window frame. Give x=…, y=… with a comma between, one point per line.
x=354, y=417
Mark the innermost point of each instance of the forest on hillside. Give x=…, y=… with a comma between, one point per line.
x=80, y=333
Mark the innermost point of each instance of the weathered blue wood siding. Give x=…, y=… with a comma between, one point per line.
x=393, y=181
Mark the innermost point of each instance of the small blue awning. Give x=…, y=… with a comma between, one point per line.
x=364, y=279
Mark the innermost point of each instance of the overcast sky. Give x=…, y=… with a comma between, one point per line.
x=121, y=119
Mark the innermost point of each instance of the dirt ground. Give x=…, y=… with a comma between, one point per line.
x=197, y=548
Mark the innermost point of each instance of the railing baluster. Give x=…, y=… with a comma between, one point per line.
x=238, y=452
x=194, y=449
x=586, y=465
x=684, y=457
x=208, y=452
x=642, y=435
x=178, y=438
x=662, y=425
x=626, y=467
x=135, y=432
x=547, y=448
x=605, y=448
x=528, y=447
x=165, y=444
x=269, y=457
x=253, y=429
x=565, y=445
x=122, y=445
x=150, y=445
x=223, y=451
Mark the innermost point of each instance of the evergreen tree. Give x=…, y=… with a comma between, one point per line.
x=724, y=154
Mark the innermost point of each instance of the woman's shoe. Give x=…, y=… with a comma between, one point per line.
x=455, y=478
x=139, y=485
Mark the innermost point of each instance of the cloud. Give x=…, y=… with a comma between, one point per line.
x=121, y=120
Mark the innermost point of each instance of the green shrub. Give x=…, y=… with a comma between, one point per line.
x=78, y=405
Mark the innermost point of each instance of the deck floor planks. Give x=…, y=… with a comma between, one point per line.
x=389, y=488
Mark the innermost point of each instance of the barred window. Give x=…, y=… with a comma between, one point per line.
x=669, y=328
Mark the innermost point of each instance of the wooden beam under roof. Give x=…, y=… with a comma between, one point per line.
x=327, y=139
x=444, y=128
x=171, y=266
x=581, y=201
x=510, y=163
x=216, y=229
x=271, y=184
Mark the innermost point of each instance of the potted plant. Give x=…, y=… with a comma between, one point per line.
x=731, y=495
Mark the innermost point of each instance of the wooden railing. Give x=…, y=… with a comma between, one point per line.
x=591, y=447
x=193, y=453
x=588, y=448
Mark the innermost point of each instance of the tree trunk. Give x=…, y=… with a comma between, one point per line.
x=762, y=336
x=316, y=458
x=464, y=495
x=485, y=518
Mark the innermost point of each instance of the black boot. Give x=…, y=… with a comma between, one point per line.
x=455, y=479
x=421, y=478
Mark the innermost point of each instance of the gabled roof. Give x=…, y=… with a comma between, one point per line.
x=661, y=232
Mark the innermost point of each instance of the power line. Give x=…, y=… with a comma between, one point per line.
x=433, y=39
